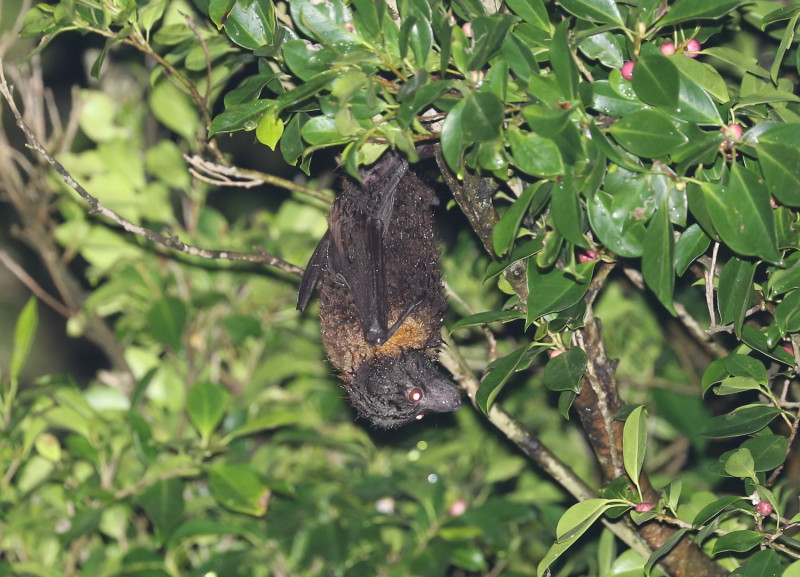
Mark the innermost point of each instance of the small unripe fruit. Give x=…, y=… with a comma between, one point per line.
x=692, y=48
x=668, y=48
x=643, y=507
x=627, y=70
x=764, y=508
x=466, y=28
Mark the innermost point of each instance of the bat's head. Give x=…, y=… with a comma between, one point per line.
x=391, y=391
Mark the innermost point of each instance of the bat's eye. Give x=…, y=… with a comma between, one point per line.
x=415, y=395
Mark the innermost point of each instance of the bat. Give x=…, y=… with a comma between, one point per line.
x=381, y=297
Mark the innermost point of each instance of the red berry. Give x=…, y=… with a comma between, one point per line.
x=643, y=507
x=668, y=48
x=466, y=28
x=764, y=508
x=627, y=69
x=692, y=48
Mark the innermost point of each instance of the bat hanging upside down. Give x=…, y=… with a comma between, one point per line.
x=381, y=298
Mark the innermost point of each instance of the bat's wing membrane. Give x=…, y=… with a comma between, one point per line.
x=316, y=264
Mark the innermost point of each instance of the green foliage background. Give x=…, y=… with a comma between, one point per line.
x=218, y=442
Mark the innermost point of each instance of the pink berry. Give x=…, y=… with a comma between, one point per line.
x=587, y=256
x=733, y=131
x=555, y=352
x=692, y=48
x=627, y=70
x=643, y=507
x=764, y=508
x=458, y=508
x=466, y=28
x=668, y=48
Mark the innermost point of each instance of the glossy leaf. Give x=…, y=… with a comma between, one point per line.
x=564, y=68
x=582, y=515
x=605, y=47
x=735, y=292
x=787, y=313
x=565, y=371
x=603, y=11
x=665, y=548
x=658, y=258
x=741, y=421
x=556, y=290
x=531, y=11
x=324, y=21
x=656, y=80
x=779, y=156
x=251, y=25
x=738, y=541
x=692, y=243
x=784, y=279
x=765, y=563
x=493, y=383
x=452, y=139
x=740, y=464
x=505, y=231
x=648, y=133
x=485, y=113
x=742, y=215
x=634, y=444
x=684, y=10
x=487, y=317
x=713, y=509
x=768, y=451
x=164, y=504
x=695, y=104
x=566, y=211
x=534, y=154
x=489, y=32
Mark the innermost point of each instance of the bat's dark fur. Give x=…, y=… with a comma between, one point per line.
x=381, y=298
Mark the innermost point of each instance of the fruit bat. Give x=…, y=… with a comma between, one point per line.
x=381, y=297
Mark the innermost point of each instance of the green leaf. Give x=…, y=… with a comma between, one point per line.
x=739, y=541
x=239, y=488
x=582, y=515
x=605, y=47
x=768, y=451
x=243, y=116
x=787, y=313
x=263, y=423
x=534, y=154
x=564, y=372
x=634, y=444
x=485, y=113
x=742, y=215
x=648, y=133
x=735, y=292
x=164, y=505
x=175, y=110
x=741, y=421
x=713, y=509
x=487, y=317
x=656, y=81
x=269, y=129
x=566, y=211
x=703, y=75
x=556, y=290
x=545, y=120
x=736, y=59
x=416, y=33
x=531, y=11
x=603, y=11
x=505, y=231
x=564, y=68
x=740, y=464
x=667, y=546
x=746, y=366
x=765, y=563
x=24, y=335
x=779, y=156
x=493, y=383
x=683, y=10
x=328, y=22
x=658, y=257
x=694, y=103
x=489, y=33
x=692, y=243
x=166, y=321
x=206, y=404
x=759, y=341
x=452, y=139
x=251, y=24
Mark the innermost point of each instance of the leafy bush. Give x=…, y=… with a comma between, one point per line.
x=636, y=163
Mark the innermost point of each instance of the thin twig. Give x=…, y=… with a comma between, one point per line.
x=33, y=286
x=169, y=241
